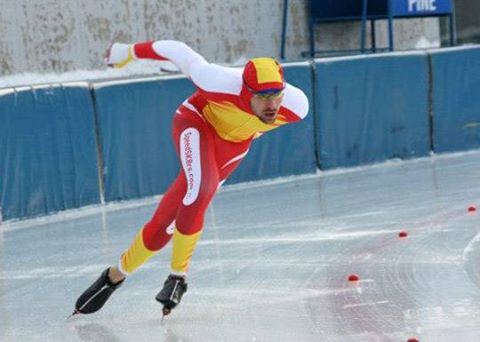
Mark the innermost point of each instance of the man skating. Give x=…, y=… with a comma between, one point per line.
x=212, y=132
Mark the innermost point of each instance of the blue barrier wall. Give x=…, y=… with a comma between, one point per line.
x=47, y=151
x=456, y=99
x=362, y=110
x=288, y=150
x=135, y=122
x=371, y=109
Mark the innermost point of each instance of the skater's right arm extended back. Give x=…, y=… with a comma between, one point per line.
x=188, y=61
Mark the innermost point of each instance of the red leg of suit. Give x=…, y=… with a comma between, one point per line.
x=218, y=159
x=156, y=232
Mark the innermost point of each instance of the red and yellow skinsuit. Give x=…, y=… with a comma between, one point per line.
x=212, y=132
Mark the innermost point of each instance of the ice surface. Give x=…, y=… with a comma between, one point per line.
x=272, y=264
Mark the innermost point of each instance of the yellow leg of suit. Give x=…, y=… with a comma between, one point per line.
x=183, y=247
x=136, y=255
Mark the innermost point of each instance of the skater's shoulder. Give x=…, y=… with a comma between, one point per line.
x=296, y=101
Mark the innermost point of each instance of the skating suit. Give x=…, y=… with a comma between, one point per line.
x=212, y=132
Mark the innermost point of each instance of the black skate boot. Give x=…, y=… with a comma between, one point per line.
x=96, y=295
x=171, y=293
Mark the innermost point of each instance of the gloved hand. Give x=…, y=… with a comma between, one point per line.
x=118, y=55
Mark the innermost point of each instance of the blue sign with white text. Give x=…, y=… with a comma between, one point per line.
x=407, y=8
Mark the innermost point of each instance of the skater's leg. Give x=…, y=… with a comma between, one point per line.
x=148, y=241
x=197, y=154
x=157, y=232
x=200, y=152
x=215, y=161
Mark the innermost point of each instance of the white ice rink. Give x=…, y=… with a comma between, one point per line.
x=272, y=264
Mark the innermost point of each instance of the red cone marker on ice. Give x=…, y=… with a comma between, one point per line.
x=402, y=234
x=413, y=340
x=472, y=209
x=353, y=278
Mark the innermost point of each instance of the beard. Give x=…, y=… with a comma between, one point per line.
x=268, y=116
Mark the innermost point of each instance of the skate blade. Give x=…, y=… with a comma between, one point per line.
x=74, y=313
x=165, y=312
